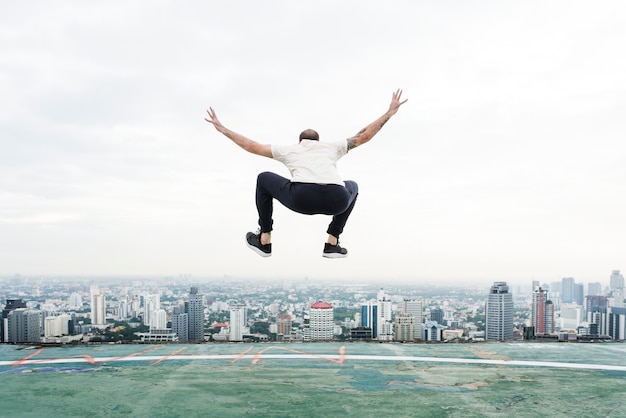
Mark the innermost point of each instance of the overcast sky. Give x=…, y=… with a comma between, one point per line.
x=508, y=162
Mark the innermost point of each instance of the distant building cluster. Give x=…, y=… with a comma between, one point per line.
x=558, y=311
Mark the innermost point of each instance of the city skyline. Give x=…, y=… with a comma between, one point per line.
x=506, y=164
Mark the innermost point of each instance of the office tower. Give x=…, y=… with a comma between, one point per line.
x=542, y=313
x=436, y=315
x=499, y=313
x=538, y=311
x=571, y=317
x=158, y=320
x=594, y=303
x=616, y=323
x=321, y=321
x=405, y=327
x=152, y=303
x=385, y=326
x=56, y=326
x=11, y=304
x=369, y=318
x=237, y=322
x=284, y=324
x=578, y=296
x=415, y=307
x=567, y=290
x=616, y=281
x=23, y=326
x=75, y=301
x=180, y=324
x=594, y=289
x=195, y=312
x=98, y=309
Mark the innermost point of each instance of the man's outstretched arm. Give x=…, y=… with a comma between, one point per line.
x=264, y=150
x=372, y=129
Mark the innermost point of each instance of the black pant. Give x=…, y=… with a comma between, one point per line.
x=306, y=198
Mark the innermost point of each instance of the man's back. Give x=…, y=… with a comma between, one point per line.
x=312, y=161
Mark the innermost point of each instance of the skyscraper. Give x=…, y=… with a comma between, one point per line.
x=10, y=305
x=405, y=327
x=284, y=323
x=414, y=307
x=542, y=313
x=385, y=326
x=237, y=322
x=322, y=321
x=616, y=281
x=23, y=326
x=195, y=312
x=369, y=318
x=567, y=289
x=499, y=313
x=98, y=309
x=594, y=289
x=180, y=324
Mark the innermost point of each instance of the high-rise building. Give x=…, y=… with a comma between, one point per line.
x=284, y=324
x=542, y=313
x=369, y=318
x=405, y=327
x=415, y=307
x=616, y=281
x=180, y=324
x=594, y=304
x=56, y=326
x=151, y=304
x=436, y=315
x=567, y=290
x=321, y=321
x=237, y=322
x=195, y=312
x=98, y=309
x=499, y=313
x=594, y=289
x=10, y=305
x=578, y=296
x=23, y=326
x=75, y=301
x=385, y=326
x=158, y=320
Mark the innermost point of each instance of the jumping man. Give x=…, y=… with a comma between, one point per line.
x=315, y=187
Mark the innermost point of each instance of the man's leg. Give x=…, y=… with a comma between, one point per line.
x=269, y=186
x=339, y=220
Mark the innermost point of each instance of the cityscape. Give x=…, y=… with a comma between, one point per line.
x=184, y=309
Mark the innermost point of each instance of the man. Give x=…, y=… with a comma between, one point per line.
x=315, y=187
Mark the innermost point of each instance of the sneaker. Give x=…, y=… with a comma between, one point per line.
x=254, y=243
x=334, y=251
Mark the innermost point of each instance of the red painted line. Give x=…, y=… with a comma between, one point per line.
x=241, y=355
x=24, y=359
x=180, y=350
x=342, y=354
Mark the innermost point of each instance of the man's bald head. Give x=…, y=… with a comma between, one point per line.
x=309, y=134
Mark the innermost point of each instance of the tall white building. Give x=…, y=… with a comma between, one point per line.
x=56, y=326
x=158, y=319
x=98, y=309
x=499, y=313
x=385, y=326
x=237, y=322
x=321, y=321
x=616, y=282
x=75, y=301
x=414, y=308
x=151, y=304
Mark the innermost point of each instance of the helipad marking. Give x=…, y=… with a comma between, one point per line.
x=340, y=358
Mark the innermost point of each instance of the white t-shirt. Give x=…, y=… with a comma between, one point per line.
x=312, y=161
